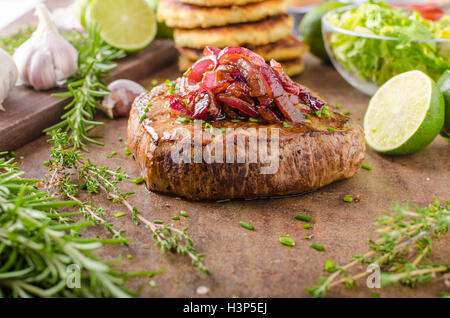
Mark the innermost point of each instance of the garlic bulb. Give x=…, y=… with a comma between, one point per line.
x=46, y=59
x=8, y=75
x=122, y=95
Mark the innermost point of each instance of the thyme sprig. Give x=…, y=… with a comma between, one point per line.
x=405, y=240
x=66, y=163
x=86, y=89
x=40, y=250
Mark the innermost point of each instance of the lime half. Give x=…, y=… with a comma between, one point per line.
x=404, y=115
x=126, y=24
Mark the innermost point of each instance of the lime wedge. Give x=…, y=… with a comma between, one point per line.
x=404, y=115
x=125, y=24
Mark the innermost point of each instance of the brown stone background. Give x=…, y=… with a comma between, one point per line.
x=240, y=260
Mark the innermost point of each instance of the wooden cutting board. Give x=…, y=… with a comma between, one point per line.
x=28, y=112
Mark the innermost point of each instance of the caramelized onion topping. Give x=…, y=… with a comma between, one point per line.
x=236, y=83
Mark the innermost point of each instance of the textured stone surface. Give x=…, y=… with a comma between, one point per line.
x=240, y=260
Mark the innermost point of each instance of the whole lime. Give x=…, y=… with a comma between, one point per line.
x=311, y=28
x=444, y=86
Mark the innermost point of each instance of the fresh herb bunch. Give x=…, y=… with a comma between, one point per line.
x=39, y=243
x=86, y=89
x=405, y=239
x=66, y=162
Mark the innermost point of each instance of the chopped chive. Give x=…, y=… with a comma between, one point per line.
x=146, y=109
x=308, y=237
x=307, y=116
x=330, y=128
x=149, y=104
x=112, y=154
x=223, y=129
x=158, y=222
x=306, y=226
x=375, y=295
x=286, y=125
x=119, y=214
x=366, y=166
x=176, y=217
x=143, y=117
x=286, y=240
x=253, y=120
x=129, y=256
x=337, y=105
x=346, y=112
x=120, y=139
x=302, y=217
x=152, y=284
x=234, y=296
x=404, y=164
x=154, y=82
x=235, y=120
x=168, y=83
x=247, y=226
x=317, y=247
x=348, y=198
x=138, y=180
x=184, y=213
x=128, y=152
x=183, y=120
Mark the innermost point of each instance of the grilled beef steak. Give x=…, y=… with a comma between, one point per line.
x=310, y=155
x=244, y=130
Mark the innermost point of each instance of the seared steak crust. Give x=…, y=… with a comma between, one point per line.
x=310, y=155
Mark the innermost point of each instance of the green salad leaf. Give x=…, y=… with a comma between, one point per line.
x=378, y=60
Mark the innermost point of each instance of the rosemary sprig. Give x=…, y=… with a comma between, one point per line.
x=65, y=163
x=405, y=239
x=86, y=88
x=40, y=251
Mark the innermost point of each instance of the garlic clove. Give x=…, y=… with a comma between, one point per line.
x=46, y=59
x=122, y=94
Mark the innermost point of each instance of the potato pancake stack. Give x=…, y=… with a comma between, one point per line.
x=260, y=25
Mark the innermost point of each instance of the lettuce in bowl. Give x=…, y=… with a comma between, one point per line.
x=375, y=42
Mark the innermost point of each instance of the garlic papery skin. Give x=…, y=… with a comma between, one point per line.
x=45, y=60
x=122, y=94
x=8, y=75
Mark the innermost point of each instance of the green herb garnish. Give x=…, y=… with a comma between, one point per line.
x=286, y=125
x=348, y=198
x=317, y=247
x=302, y=217
x=286, y=240
x=138, y=180
x=247, y=226
x=366, y=166
x=112, y=154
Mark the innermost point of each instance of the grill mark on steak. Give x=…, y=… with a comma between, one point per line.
x=312, y=156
